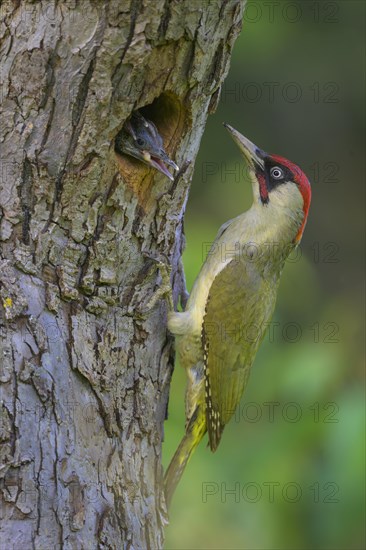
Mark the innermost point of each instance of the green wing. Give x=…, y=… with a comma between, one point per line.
x=240, y=303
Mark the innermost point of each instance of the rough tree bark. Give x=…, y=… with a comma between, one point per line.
x=85, y=372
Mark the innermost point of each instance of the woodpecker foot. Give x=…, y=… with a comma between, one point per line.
x=165, y=288
x=184, y=294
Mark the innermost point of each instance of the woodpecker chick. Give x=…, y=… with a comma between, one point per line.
x=233, y=299
x=140, y=139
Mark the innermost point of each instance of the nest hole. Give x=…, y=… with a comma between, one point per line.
x=168, y=115
x=166, y=112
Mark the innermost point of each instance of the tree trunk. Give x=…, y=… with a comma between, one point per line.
x=85, y=371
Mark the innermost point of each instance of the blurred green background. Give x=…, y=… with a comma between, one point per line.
x=295, y=88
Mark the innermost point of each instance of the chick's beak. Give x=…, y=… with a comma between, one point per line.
x=254, y=155
x=160, y=163
x=171, y=163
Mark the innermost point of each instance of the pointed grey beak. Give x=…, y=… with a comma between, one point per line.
x=252, y=153
x=159, y=163
x=171, y=163
x=164, y=157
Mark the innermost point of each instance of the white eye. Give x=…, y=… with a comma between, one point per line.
x=276, y=173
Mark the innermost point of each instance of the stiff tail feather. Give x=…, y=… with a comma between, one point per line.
x=195, y=431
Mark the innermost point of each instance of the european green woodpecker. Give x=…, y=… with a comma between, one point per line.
x=140, y=139
x=233, y=299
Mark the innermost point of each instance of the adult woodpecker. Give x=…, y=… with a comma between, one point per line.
x=140, y=139
x=233, y=298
